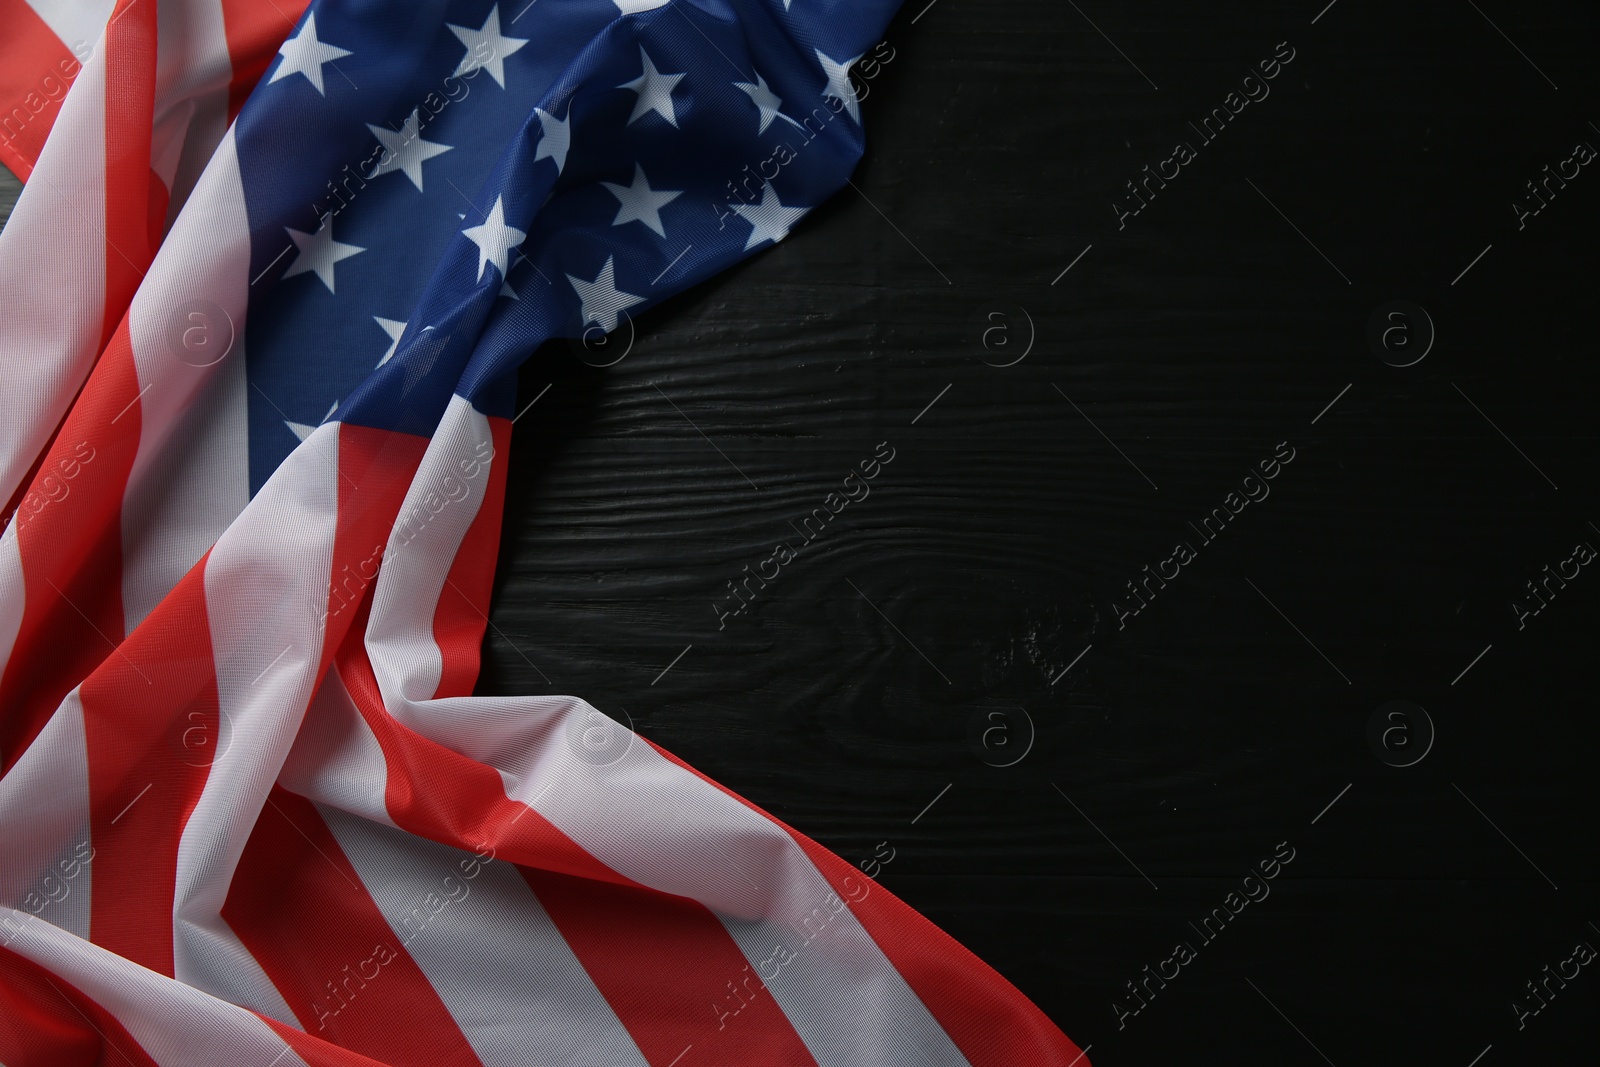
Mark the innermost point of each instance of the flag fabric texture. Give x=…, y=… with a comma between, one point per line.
x=153, y=104
x=258, y=401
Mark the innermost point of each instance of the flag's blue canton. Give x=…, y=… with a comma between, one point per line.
x=436, y=188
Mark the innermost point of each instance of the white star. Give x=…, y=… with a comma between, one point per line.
x=394, y=328
x=555, y=138
x=405, y=151
x=302, y=430
x=494, y=239
x=484, y=40
x=770, y=220
x=633, y=7
x=640, y=203
x=839, y=87
x=319, y=252
x=766, y=101
x=655, y=92
x=304, y=54
x=602, y=301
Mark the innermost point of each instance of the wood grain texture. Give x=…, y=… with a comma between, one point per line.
x=9, y=188
x=1196, y=338
x=1173, y=357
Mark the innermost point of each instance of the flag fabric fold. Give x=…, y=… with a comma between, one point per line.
x=251, y=812
x=154, y=96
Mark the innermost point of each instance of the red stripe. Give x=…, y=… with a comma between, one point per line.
x=299, y=907
x=36, y=69
x=440, y=794
x=254, y=31
x=989, y=1019
x=432, y=791
x=662, y=962
x=666, y=965
x=46, y=1021
x=375, y=470
x=130, y=55
x=151, y=728
x=317, y=1052
x=25, y=484
x=69, y=535
x=75, y=554
x=463, y=609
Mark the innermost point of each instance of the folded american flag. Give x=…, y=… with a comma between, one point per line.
x=259, y=388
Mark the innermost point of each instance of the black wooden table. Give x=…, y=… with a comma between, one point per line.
x=1072, y=377
x=1193, y=607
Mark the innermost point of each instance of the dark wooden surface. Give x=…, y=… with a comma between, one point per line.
x=9, y=188
x=1179, y=751
x=1197, y=338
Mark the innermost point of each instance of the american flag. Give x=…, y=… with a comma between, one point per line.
x=266, y=293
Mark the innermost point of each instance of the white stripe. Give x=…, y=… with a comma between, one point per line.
x=489, y=950
x=52, y=270
x=260, y=580
x=664, y=827
x=193, y=71
x=658, y=824
x=47, y=840
x=79, y=23
x=184, y=491
x=54, y=247
x=190, y=475
x=336, y=760
x=439, y=507
x=176, y=1025
x=13, y=591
